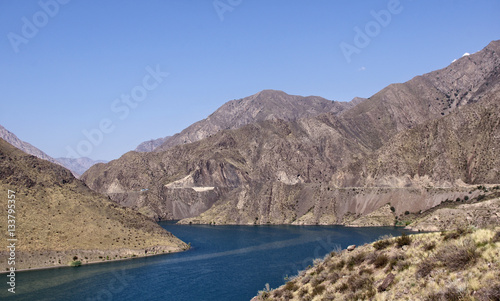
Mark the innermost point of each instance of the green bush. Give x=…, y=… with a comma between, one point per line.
x=75, y=263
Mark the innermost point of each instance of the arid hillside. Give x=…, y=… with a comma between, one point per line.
x=57, y=217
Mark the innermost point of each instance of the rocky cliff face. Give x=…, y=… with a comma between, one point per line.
x=326, y=169
x=59, y=217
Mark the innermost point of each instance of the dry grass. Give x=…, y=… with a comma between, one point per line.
x=463, y=266
x=60, y=217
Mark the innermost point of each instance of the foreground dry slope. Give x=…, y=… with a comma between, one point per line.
x=57, y=217
x=456, y=265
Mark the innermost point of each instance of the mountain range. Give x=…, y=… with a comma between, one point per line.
x=278, y=158
x=76, y=165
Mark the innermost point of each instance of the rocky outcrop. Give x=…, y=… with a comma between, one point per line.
x=480, y=213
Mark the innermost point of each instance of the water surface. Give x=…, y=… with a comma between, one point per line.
x=225, y=263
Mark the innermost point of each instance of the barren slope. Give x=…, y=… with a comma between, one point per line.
x=58, y=217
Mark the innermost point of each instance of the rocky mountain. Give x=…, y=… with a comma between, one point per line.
x=24, y=146
x=58, y=217
x=78, y=165
x=150, y=145
x=324, y=169
x=265, y=105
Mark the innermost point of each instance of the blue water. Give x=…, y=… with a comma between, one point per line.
x=225, y=263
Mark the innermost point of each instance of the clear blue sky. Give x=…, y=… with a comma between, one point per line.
x=83, y=55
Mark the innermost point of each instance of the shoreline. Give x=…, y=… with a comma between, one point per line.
x=92, y=262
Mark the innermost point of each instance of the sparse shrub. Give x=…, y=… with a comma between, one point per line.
x=403, y=240
x=306, y=279
x=393, y=209
x=489, y=293
x=291, y=286
x=339, y=265
x=287, y=295
x=429, y=246
x=343, y=287
x=277, y=293
x=456, y=256
x=359, y=283
x=319, y=269
x=456, y=234
x=466, y=197
x=496, y=237
x=304, y=291
x=333, y=277
x=317, y=280
x=407, y=212
x=403, y=265
x=318, y=290
x=381, y=261
x=458, y=200
x=450, y=294
x=355, y=260
x=425, y=268
x=381, y=244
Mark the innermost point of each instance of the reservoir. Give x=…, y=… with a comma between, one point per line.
x=224, y=263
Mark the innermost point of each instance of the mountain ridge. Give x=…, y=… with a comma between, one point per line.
x=277, y=171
